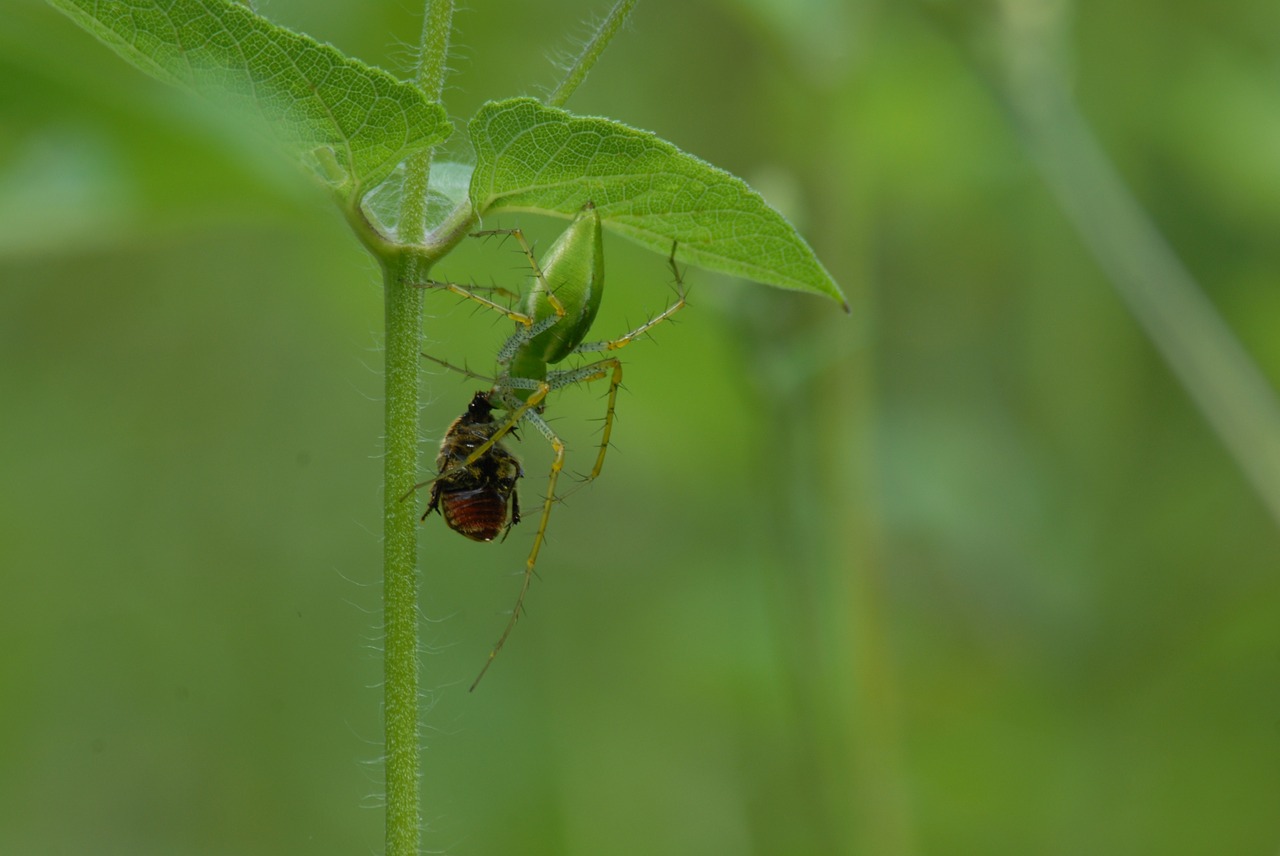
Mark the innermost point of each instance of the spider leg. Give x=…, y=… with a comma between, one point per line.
x=610, y=367
x=524, y=410
x=459, y=369
x=533, y=262
x=629, y=337
x=470, y=294
x=539, y=537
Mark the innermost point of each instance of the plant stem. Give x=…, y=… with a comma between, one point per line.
x=437, y=24
x=577, y=72
x=432, y=57
x=403, y=306
x=403, y=333
x=1200, y=348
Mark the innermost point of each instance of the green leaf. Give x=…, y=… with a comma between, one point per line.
x=536, y=158
x=312, y=98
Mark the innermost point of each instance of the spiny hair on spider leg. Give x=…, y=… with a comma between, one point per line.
x=476, y=309
x=492, y=286
x=615, y=448
x=506, y=293
x=518, y=572
x=504, y=235
x=583, y=479
x=613, y=444
x=605, y=394
x=465, y=370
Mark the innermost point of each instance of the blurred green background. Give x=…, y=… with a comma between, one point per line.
x=965, y=572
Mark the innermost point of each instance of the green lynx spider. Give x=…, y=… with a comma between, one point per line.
x=557, y=314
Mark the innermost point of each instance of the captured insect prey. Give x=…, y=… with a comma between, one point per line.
x=473, y=495
x=478, y=475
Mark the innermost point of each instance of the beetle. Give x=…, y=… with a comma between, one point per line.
x=475, y=497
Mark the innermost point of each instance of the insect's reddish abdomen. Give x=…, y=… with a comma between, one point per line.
x=480, y=514
x=473, y=498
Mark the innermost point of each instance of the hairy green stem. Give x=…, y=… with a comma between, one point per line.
x=577, y=72
x=403, y=305
x=432, y=57
x=403, y=333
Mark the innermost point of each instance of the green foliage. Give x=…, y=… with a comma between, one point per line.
x=537, y=158
x=359, y=128
x=308, y=94
x=969, y=574
x=356, y=123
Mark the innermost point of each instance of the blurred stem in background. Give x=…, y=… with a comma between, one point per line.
x=812, y=382
x=817, y=408
x=1223, y=381
x=825, y=574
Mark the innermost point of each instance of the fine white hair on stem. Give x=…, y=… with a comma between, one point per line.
x=577, y=69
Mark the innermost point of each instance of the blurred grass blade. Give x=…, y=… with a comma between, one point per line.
x=536, y=158
x=308, y=95
x=1234, y=396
